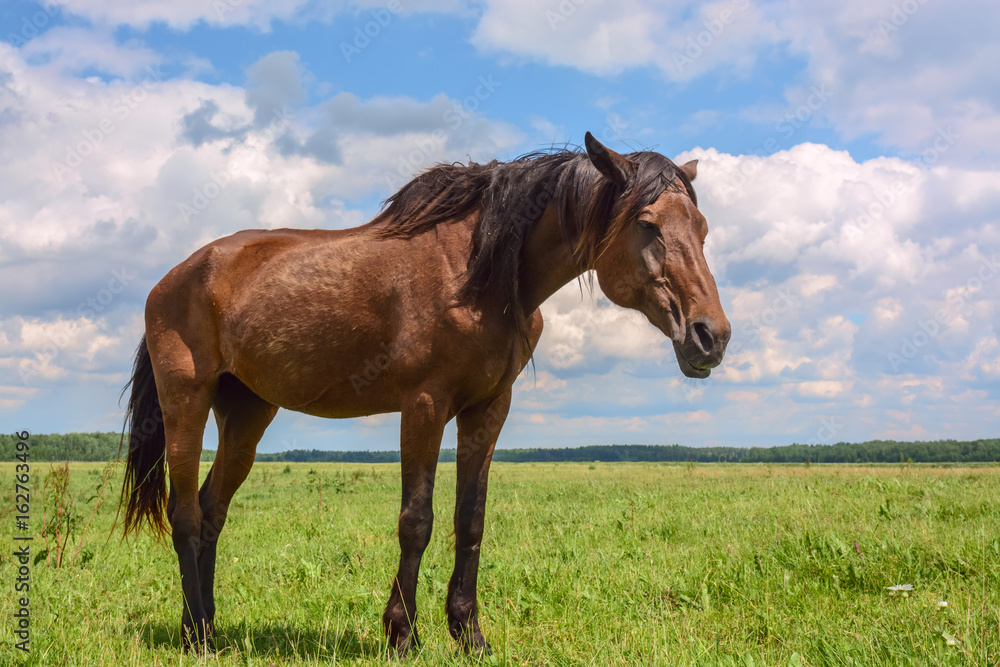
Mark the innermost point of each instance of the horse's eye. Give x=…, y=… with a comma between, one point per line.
x=647, y=224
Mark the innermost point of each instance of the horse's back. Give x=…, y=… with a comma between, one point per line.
x=332, y=323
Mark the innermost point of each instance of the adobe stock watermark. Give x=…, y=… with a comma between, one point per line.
x=866, y=216
x=370, y=30
x=224, y=7
x=94, y=305
x=819, y=95
x=781, y=304
x=204, y=194
x=828, y=429
x=88, y=308
x=374, y=367
x=93, y=137
x=22, y=555
x=472, y=444
x=899, y=16
x=929, y=329
x=425, y=148
x=562, y=13
x=32, y=26
x=614, y=128
x=702, y=41
x=785, y=126
x=694, y=390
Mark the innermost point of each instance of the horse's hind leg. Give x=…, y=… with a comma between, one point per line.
x=242, y=417
x=185, y=405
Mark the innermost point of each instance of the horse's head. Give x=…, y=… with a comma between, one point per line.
x=652, y=259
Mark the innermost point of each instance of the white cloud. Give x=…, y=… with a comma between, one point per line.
x=34, y=351
x=828, y=266
x=110, y=168
x=876, y=62
x=823, y=388
x=817, y=310
x=583, y=329
x=75, y=50
x=91, y=211
x=607, y=37
x=259, y=14
x=183, y=14
x=873, y=59
x=888, y=79
x=274, y=82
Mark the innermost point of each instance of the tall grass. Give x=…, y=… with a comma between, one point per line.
x=583, y=564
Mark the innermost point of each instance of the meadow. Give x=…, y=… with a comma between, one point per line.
x=583, y=564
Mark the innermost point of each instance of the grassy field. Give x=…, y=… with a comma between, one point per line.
x=603, y=564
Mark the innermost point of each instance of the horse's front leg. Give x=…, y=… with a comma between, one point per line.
x=478, y=429
x=422, y=425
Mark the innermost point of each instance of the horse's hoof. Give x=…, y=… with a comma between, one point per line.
x=400, y=652
x=482, y=651
x=471, y=641
x=476, y=646
x=202, y=647
x=401, y=647
x=198, y=641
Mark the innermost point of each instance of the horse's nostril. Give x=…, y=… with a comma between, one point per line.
x=704, y=336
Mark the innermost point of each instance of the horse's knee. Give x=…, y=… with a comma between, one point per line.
x=212, y=522
x=415, y=527
x=186, y=526
x=469, y=523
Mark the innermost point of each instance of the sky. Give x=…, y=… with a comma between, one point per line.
x=849, y=170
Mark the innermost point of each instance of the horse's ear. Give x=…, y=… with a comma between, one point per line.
x=690, y=169
x=611, y=164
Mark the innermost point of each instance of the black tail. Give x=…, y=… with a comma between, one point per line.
x=145, y=488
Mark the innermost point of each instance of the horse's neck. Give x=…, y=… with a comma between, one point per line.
x=547, y=263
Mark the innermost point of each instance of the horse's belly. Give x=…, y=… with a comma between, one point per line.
x=341, y=383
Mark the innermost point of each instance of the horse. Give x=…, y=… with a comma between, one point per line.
x=439, y=293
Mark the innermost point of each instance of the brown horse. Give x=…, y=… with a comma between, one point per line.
x=440, y=292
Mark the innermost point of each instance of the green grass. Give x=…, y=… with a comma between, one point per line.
x=583, y=564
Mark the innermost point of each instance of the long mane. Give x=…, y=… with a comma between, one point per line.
x=510, y=197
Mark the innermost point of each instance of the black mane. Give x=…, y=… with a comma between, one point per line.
x=510, y=197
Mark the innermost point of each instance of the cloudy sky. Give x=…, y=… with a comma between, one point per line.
x=850, y=173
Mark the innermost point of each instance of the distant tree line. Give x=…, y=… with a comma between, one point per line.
x=73, y=447
x=104, y=447
x=880, y=451
x=875, y=451
x=64, y=446
x=610, y=453
x=323, y=456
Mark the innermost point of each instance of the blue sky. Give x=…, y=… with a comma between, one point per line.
x=850, y=164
